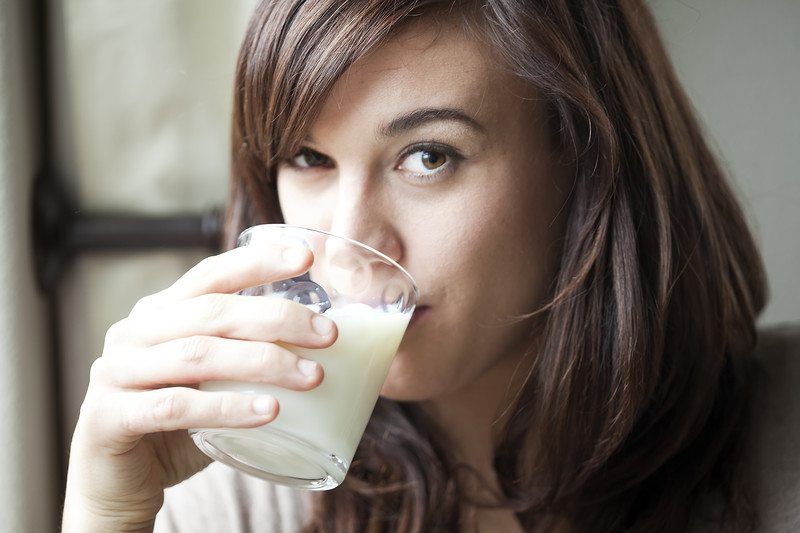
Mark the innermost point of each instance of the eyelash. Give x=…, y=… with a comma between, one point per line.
x=453, y=158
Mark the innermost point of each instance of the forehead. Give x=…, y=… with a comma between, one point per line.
x=424, y=66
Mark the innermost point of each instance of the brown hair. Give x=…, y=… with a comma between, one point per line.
x=638, y=399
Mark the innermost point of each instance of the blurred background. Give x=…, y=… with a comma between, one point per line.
x=114, y=118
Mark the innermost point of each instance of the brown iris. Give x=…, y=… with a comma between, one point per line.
x=432, y=160
x=313, y=158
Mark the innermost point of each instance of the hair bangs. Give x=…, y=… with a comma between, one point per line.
x=294, y=54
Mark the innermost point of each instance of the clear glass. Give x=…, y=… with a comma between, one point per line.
x=311, y=442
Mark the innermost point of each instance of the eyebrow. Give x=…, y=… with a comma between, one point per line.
x=418, y=117
x=421, y=116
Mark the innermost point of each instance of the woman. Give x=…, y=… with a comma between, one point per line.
x=582, y=355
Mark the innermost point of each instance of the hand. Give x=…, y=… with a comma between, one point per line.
x=131, y=439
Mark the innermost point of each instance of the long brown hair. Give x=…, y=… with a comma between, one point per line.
x=637, y=404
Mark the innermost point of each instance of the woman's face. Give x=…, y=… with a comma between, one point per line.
x=426, y=152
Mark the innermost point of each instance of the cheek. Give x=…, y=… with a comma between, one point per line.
x=472, y=237
x=490, y=254
x=306, y=204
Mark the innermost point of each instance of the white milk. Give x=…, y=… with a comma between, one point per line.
x=332, y=416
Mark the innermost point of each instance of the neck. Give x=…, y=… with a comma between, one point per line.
x=471, y=420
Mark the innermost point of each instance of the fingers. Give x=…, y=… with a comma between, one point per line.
x=127, y=416
x=197, y=359
x=234, y=270
x=256, y=318
x=197, y=330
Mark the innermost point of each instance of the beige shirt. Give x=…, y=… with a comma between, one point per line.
x=222, y=499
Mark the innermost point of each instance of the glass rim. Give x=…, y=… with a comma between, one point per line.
x=346, y=239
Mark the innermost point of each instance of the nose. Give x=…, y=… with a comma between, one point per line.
x=364, y=213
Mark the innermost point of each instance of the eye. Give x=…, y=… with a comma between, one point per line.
x=427, y=160
x=308, y=158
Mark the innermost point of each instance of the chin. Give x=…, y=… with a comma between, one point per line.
x=404, y=394
x=408, y=383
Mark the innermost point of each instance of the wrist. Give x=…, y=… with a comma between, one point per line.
x=81, y=516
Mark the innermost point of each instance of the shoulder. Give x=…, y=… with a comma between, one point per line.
x=222, y=499
x=774, y=462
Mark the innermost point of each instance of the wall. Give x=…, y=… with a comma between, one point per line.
x=28, y=471
x=739, y=62
x=143, y=92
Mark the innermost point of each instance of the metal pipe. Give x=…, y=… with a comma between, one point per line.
x=116, y=232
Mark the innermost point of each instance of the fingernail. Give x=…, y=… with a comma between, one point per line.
x=294, y=255
x=307, y=367
x=263, y=405
x=322, y=325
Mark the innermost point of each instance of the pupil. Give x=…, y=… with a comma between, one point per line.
x=431, y=159
x=313, y=158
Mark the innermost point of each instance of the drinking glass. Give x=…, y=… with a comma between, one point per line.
x=371, y=298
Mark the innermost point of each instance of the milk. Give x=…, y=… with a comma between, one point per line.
x=331, y=418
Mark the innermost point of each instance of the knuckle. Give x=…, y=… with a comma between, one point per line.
x=92, y=417
x=166, y=406
x=213, y=306
x=195, y=350
x=226, y=407
x=115, y=332
x=132, y=423
x=144, y=303
x=255, y=267
x=206, y=267
x=280, y=310
x=268, y=356
x=263, y=267
x=99, y=370
x=91, y=410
